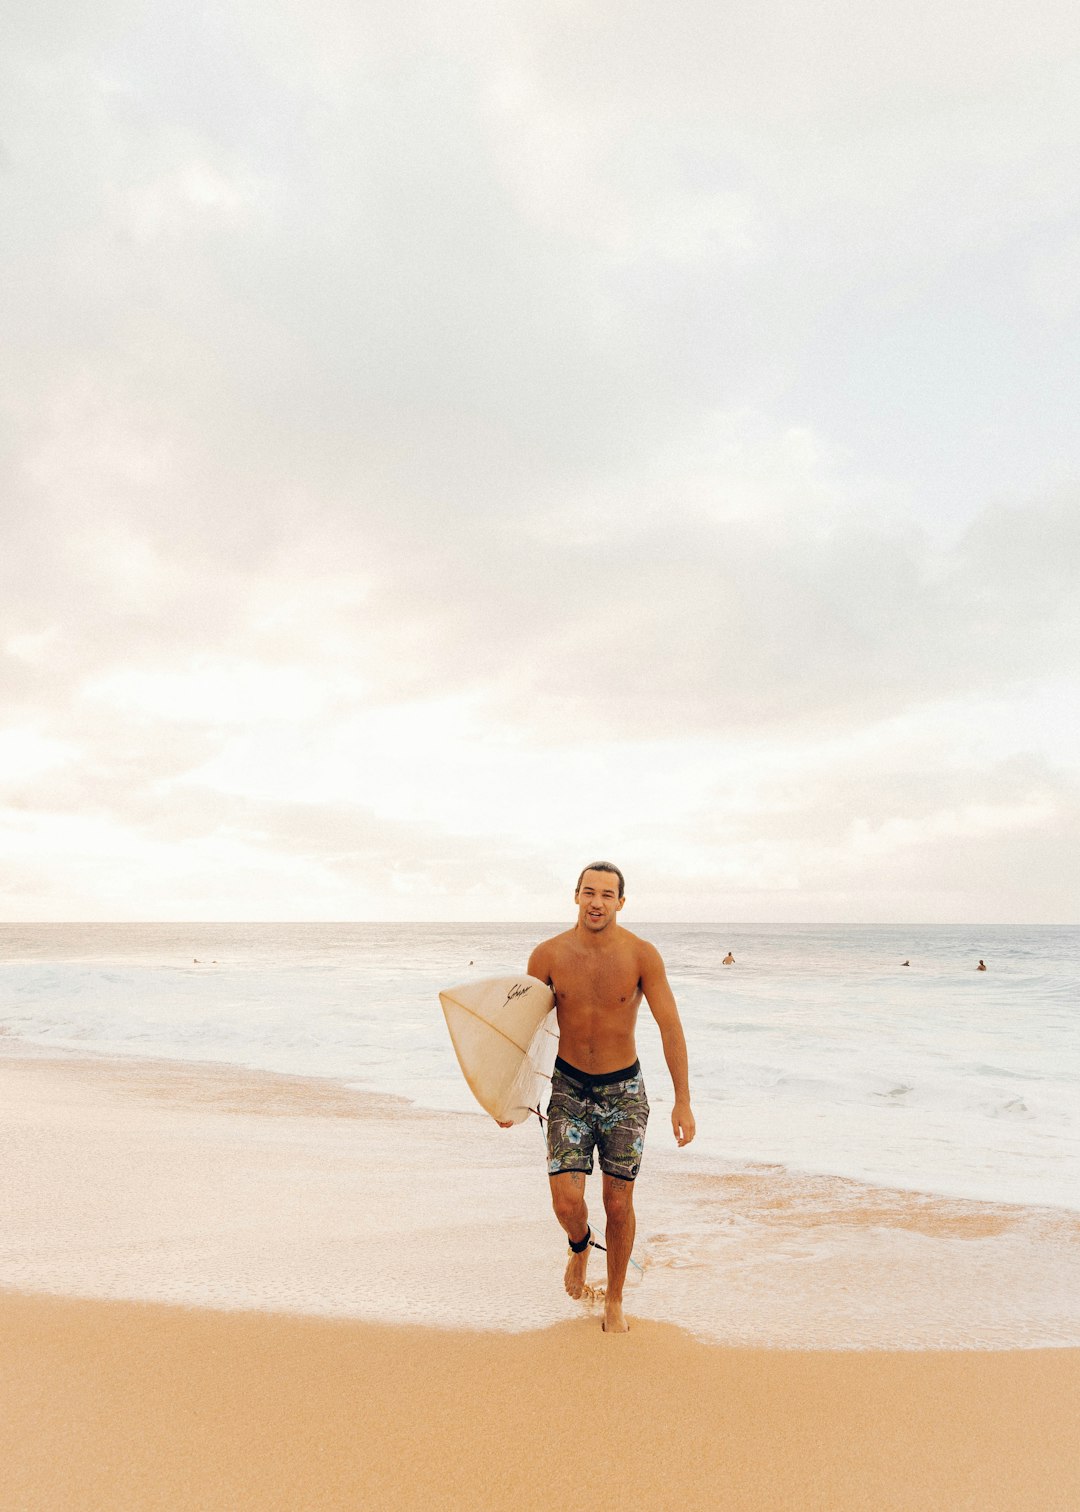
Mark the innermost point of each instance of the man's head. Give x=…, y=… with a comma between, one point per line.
x=599, y=895
x=602, y=866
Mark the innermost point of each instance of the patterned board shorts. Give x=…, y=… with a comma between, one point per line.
x=609, y=1112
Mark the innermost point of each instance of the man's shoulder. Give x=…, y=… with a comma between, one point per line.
x=555, y=945
x=644, y=951
x=635, y=941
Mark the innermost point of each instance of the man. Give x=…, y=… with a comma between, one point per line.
x=599, y=973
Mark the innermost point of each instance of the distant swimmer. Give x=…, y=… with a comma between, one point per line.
x=729, y=960
x=981, y=966
x=905, y=963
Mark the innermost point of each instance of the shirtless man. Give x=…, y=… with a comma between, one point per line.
x=599, y=972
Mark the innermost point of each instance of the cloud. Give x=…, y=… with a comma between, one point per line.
x=614, y=620
x=824, y=834
x=456, y=434
x=637, y=628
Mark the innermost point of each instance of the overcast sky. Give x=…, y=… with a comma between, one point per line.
x=444, y=444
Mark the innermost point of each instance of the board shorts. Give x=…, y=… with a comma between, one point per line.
x=607, y=1113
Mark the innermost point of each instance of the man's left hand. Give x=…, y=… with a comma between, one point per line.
x=682, y=1121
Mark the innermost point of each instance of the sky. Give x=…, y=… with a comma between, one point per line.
x=443, y=445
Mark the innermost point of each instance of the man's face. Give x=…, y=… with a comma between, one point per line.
x=598, y=900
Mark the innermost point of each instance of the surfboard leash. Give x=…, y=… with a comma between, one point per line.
x=603, y=1247
x=592, y=1242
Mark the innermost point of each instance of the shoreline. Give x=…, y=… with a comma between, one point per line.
x=151, y=1408
x=211, y=1186
x=179, y=1079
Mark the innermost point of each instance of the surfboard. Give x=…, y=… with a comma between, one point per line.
x=505, y=1034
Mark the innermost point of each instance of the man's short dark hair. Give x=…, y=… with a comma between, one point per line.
x=608, y=866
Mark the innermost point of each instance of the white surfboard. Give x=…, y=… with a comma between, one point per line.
x=505, y=1034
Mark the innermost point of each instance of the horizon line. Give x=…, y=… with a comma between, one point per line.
x=508, y=923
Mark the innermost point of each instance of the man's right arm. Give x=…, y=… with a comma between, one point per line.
x=540, y=963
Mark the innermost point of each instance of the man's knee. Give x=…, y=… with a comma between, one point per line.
x=618, y=1200
x=567, y=1198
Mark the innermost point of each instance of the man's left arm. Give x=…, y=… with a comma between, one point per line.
x=661, y=1001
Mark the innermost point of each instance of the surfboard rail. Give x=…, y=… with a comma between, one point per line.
x=505, y=1035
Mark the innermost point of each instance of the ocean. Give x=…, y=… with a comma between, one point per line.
x=818, y=1061
x=817, y=1050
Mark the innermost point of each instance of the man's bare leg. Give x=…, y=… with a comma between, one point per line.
x=568, y=1200
x=619, y=1238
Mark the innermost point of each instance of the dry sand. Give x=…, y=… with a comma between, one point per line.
x=126, y=1407
x=200, y=1185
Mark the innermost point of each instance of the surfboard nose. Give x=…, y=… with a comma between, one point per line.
x=497, y=1028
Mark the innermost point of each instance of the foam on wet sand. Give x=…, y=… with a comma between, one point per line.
x=216, y=1187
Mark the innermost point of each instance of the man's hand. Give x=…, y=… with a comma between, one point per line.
x=682, y=1121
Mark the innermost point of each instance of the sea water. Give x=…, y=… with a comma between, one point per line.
x=817, y=1050
x=818, y=1058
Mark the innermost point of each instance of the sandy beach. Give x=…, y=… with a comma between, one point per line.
x=109, y=1405
x=158, y=1348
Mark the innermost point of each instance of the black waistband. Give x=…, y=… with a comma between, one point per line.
x=593, y=1079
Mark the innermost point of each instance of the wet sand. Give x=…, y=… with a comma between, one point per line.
x=135, y=1186
x=214, y=1186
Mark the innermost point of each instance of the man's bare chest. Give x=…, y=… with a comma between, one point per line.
x=603, y=983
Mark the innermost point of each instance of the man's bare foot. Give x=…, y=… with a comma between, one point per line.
x=614, y=1322
x=576, y=1266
